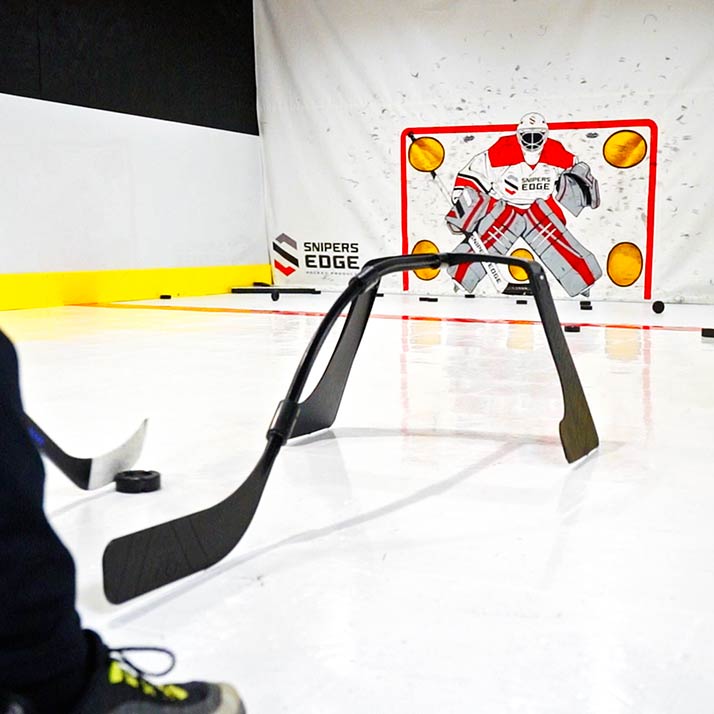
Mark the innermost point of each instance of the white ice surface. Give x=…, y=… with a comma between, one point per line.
x=433, y=551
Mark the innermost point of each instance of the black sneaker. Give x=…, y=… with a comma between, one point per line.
x=118, y=687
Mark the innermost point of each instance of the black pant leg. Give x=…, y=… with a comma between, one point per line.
x=43, y=650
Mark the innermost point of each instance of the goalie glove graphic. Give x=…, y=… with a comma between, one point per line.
x=577, y=188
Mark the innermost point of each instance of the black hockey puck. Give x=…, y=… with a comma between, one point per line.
x=708, y=332
x=571, y=328
x=165, y=297
x=137, y=481
x=429, y=299
x=521, y=302
x=658, y=306
x=469, y=295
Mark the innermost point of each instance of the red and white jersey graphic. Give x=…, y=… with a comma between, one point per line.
x=503, y=172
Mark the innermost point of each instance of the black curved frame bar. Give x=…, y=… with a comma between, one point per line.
x=143, y=561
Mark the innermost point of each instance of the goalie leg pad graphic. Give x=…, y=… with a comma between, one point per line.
x=500, y=227
x=468, y=275
x=573, y=266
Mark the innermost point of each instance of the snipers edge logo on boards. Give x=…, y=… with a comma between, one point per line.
x=282, y=246
x=329, y=257
x=318, y=258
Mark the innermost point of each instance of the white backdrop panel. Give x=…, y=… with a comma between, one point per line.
x=339, y=81
x=82, y=189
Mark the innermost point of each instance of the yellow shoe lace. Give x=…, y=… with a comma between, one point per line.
x=119, y=674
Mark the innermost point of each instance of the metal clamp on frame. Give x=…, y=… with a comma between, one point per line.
x=284, y=420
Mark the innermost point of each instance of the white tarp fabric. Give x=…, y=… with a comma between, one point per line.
x=369, y=111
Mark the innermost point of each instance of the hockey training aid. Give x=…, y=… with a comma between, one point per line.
x=140, y=562
x=88, y=473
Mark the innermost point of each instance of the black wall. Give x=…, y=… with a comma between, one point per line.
x=190, y=62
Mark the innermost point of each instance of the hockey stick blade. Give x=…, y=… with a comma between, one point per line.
x=89, y=473
x=140, y=562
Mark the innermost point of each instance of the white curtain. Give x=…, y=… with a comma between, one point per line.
x=341, y=83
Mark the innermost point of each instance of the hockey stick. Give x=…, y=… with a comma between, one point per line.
x=140, y=562
x=87, y=473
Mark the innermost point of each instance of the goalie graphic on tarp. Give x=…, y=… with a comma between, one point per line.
x=517, y=188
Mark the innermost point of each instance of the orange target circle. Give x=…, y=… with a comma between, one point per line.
x=624, y=149
x=422, y=247
x=518, y=273
x=624, y=264
x=426, y=154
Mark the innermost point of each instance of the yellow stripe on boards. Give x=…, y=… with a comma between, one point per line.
x=23, y=290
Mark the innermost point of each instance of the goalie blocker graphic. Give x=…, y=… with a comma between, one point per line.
x=515, y=189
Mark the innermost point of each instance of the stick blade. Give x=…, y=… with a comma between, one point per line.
x=578, y=434
x=143, y=561
x=104, y=468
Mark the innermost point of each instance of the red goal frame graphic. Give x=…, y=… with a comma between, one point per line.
x=554, y=126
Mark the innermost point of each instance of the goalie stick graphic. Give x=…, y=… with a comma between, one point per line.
x=517, y=189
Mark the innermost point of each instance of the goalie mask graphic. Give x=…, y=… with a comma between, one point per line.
x=532, y=132
x=517, y=189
